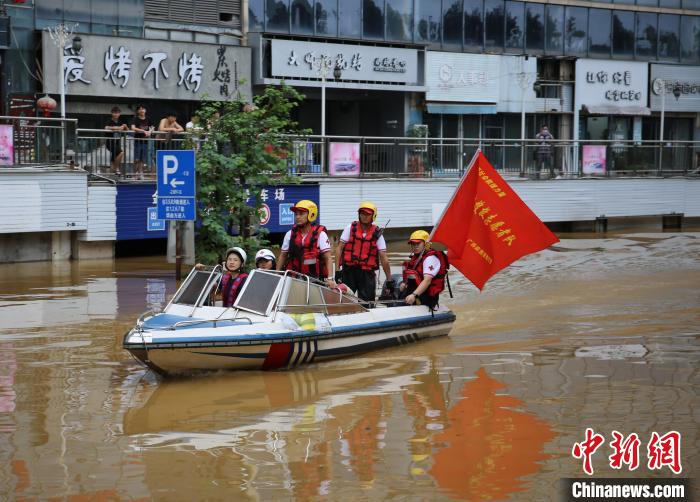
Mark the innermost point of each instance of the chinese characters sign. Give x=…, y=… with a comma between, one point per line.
x=462, y=77
x=618, y=83
x=661, y=451
x=127, y=67
x=292, y=58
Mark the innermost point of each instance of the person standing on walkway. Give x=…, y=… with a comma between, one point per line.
x=114, y=144
x=544, y=151
x=306, y=248
x=142, y=127
x=362, y=248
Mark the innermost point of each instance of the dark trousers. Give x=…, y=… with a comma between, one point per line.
x=363, y=282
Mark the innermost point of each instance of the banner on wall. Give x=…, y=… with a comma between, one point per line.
x=6, y=145
x=594, y=159
x=344, y=159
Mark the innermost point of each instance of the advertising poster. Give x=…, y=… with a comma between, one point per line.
x=6, y=145
x=593, y=159
x=344, y=159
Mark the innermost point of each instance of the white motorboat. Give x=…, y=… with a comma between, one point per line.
x=280, y=320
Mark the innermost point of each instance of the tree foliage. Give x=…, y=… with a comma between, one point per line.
x=241, y=149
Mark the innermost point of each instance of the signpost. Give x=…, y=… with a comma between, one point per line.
x=176, y=193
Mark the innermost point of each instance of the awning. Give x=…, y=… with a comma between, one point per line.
x=616, y=110
x=462, y=109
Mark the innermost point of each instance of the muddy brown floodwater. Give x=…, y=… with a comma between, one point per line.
x=594, y=332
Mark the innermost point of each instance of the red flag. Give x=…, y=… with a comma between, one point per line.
x=486, y=226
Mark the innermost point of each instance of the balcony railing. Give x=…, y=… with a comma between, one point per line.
x=37, y=142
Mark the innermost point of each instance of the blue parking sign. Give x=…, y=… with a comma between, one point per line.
x=176, y=184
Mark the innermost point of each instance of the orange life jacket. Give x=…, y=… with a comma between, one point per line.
x=413, y=271
x=361, y=250
x=305, y=257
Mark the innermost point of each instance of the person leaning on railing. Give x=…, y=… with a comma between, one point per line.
x=114, y=144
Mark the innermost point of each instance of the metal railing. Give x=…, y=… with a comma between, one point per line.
x=39, y=141
x=36, y=141
x=99, y=151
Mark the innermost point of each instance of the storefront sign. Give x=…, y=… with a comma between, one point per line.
x=344, y=159
x=7, y=153
x=620, y=84
x=594, y=159
x=456, y=77
x=685, y=80
x=138, y=68
x=299, y=59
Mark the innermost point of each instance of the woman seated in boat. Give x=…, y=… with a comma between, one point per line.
x=424, y=272
x=265, y=260
x=234, y=275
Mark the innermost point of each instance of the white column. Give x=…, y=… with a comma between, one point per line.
x=661, y=131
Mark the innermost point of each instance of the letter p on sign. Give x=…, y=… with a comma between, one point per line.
x=169, y=166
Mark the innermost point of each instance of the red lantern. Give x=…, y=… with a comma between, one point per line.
x=46, y=103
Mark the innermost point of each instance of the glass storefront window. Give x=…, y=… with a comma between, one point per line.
x=691, y=4
x=534, y=22
x=302, y=17
x=623, y=33
x=515, y=25
x=494, y=17
x=350, y=11
x=373, y=19
x=452, y=23
x=599, y=32
x=669, y=43
x=428, y=18
x=650, y=3
x=474, y=24
x=576, y=25
x=399, y=17
x=327, y=17
x=646, y=35
x=105, y=17
x=554, y=30
x=256, y=15
x=277, y=16
x=690, y=38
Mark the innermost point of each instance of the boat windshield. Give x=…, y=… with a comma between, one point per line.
x=259, y=292
x=195, y=283
x=301, y=296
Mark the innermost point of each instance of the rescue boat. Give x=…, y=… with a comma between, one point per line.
x=280, y=320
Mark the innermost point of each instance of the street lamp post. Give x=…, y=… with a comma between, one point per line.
x=59, y=35
x=524, y=81
x=677, y=94
x=324, y=67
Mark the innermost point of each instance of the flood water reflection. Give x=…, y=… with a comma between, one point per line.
x=595, y=332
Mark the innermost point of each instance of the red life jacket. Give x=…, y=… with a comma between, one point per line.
x=361, y=251
x=305, y=257
x=231, y=287
x=413, y=271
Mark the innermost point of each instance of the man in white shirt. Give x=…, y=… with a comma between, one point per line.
x=362, y=248
x=306, y=248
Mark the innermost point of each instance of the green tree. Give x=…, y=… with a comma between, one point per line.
x=242, y=148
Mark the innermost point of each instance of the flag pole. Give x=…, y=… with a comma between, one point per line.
x=464, y=177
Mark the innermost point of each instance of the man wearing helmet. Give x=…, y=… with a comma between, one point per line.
x=306, y=247
x=424, y=272
x=234, y=277
x=362, y=248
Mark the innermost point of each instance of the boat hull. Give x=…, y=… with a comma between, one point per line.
x=288, y=352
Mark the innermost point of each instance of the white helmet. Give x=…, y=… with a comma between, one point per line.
x=239, y=252
x=265, y=254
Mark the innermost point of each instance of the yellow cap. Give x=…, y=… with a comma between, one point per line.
x=419, y=235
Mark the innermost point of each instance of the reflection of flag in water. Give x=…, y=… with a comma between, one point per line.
x=489, y=445
x=486, y=226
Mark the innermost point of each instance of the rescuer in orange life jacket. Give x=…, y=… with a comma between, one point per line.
x=306, y=247
x=362, y=248
x=424, y=272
